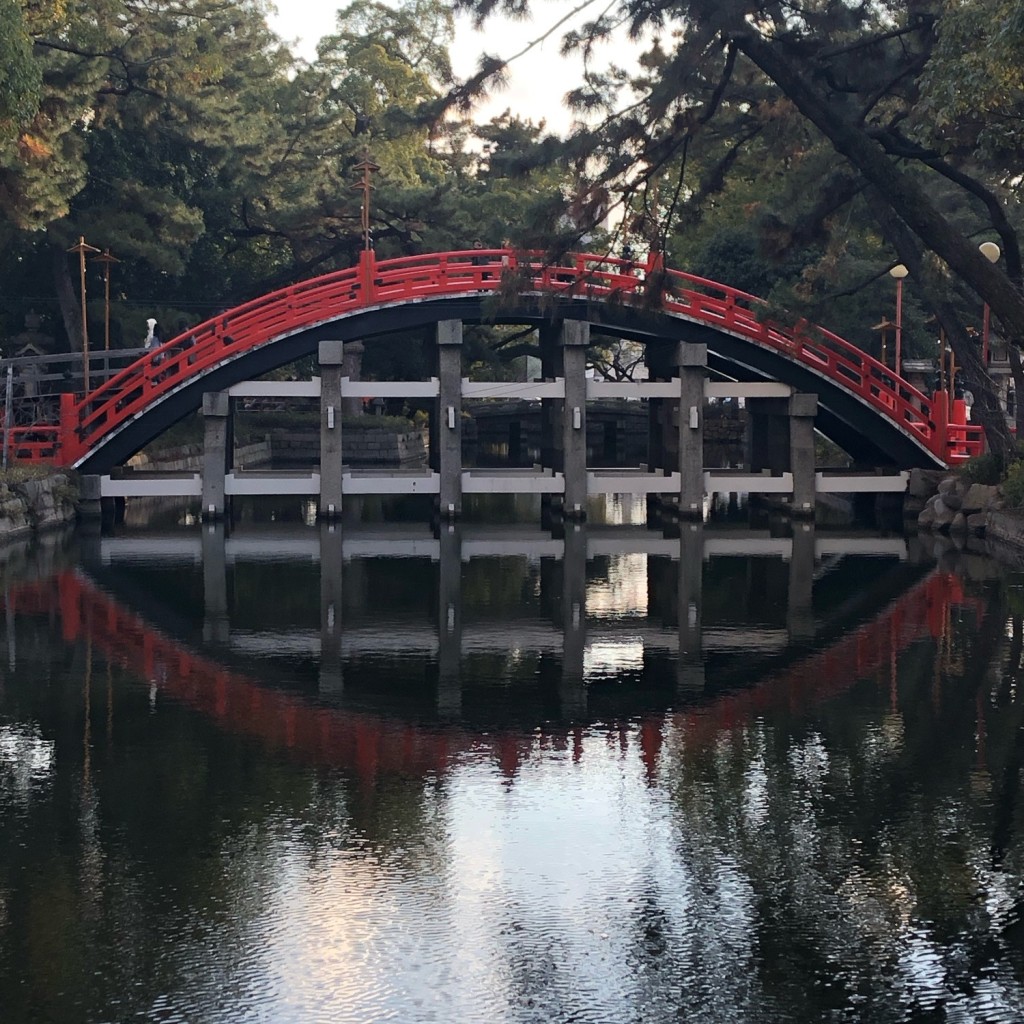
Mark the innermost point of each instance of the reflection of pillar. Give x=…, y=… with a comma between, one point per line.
x=217, y=453
x=332, y=358
x=449, y=621
x=352, y=367
x=89, y=536
x=331, y=564
x=690, y=663
x=693, y=361
x=216, y=625
x=575, y=338
x=572, y=691
x=799, y=605
x=449, y=416
x=802, y=410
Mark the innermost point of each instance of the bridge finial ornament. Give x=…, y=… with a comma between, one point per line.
x=367, y=167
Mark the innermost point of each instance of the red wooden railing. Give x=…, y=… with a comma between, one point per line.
x=933, y=421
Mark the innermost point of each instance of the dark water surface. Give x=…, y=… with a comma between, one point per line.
x=370, y=774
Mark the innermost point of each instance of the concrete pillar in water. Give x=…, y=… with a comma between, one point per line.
x=331, y=565
x=90, y=502
x=216, y=625
x=449, y=621
x=799, y=603
x=802, y=410
x=352, y=367
x=572, y=691
x=449, y=417
x=574, y=340
x=690, y=662
x=217, y=452
x=332, y=358
x=693, y=361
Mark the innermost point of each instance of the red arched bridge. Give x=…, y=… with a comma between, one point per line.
x=863, y=405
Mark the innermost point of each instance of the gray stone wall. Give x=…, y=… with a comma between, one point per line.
x=36, y=505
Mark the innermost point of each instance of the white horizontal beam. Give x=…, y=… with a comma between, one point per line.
x=276, y=389
x=426, y=483
x=163, y=486
x=476, y=482
x=611, y=482
x=738, y=389
x=272, y=484
x=633, y=389
x=530, y=390
x=747, y=483
x=389, y=388
x=862, y=483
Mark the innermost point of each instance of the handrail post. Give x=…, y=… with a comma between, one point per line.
x=68, y=442
x=367, y=268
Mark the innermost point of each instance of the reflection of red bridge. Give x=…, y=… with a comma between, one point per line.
x=370, y=743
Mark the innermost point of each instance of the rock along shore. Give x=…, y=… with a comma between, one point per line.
x=947, y=503
x=35, y=504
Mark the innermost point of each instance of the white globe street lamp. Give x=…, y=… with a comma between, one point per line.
x=991, y=252
x=899, y=272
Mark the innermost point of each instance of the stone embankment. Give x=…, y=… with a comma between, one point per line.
x=36, y=504
x=945, y=503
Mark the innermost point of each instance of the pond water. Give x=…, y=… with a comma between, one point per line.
x=291, y=773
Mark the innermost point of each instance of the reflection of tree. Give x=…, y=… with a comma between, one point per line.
x=860, y=836
x=161, y=858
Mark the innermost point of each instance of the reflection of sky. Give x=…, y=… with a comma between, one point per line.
x=26, y=759
x=533, y=899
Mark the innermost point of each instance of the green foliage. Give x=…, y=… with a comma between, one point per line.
x=992, y=467
x=20, y=77
x=1013, y=486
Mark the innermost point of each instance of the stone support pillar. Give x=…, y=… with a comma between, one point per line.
x=216, y=625
x=331, y=566
x=90, y=502
x=449, y=417
x=693, y=361
x=802, y=410
x=572, y=690
x=217, y=452
x=352, y=367
x=575, y=338
x=449, y=622
x=332, y=358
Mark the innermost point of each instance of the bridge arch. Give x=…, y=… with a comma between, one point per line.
x=876, y=416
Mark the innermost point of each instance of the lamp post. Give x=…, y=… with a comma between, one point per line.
x=992, y=253
x=82, y=248
x=899, y=272
x=106, y=259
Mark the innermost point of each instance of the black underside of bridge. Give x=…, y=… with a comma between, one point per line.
x=870, y=439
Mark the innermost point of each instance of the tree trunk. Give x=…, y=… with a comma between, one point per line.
x=899, y=190
x=1017, y=372
x=987, y=409
x=70, y=310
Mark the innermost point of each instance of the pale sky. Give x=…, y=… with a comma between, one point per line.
x=539, y=80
